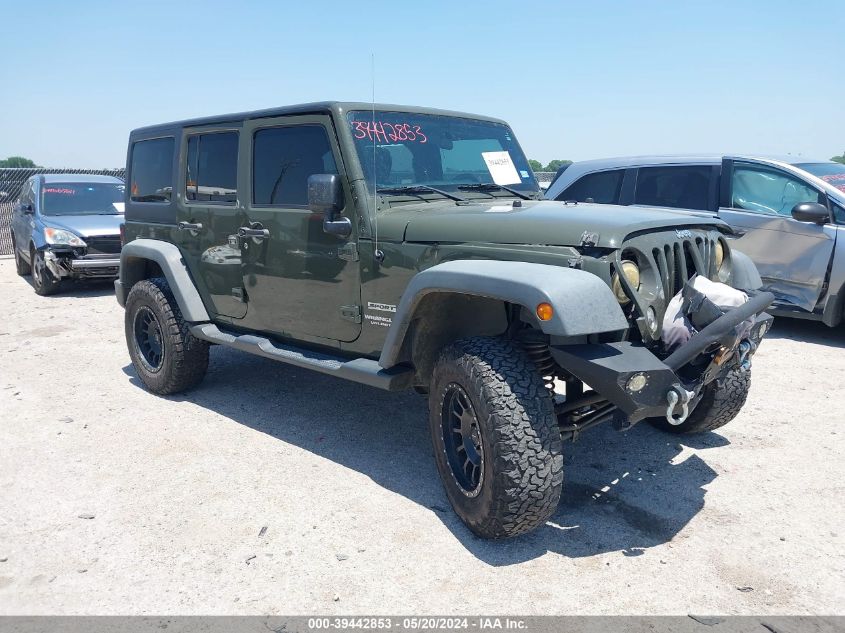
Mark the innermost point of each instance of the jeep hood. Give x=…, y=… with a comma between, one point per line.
x=544, y=222
x=86, y=225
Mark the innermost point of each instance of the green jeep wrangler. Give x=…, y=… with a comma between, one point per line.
x=405, y=247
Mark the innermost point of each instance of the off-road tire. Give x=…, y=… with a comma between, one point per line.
x=21, y=267
x=43, y=281
x=184, y=359
x=522, y=470
x=721, y=402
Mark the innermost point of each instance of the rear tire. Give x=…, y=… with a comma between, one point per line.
x=722, y=401
x=43, y=280
x=496, y=439
x=166, y=356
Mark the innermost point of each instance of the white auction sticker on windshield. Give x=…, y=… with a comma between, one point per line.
x=501, y=167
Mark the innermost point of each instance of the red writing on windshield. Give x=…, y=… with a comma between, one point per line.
x=380, y=131
x=834, y=177
x=66, y=192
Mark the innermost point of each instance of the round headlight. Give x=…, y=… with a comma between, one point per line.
x=719, y=255
x=632, y=275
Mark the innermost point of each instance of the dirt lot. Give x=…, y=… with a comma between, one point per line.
x=181, y=489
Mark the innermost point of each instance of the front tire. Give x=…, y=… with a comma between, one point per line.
x=43, y=280
x=166, y=356
x=496, y=439
x=722, y=401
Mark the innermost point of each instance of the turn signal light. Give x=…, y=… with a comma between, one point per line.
x=545, y=311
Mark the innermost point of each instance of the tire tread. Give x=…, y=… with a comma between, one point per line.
x=186, y=356
x=527, y=448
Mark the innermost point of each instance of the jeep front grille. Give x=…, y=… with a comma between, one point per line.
x=678, y=261
x=667, y=260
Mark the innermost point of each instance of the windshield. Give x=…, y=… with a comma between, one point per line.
x=832, y=173
x=82, y=198
x=405, y=150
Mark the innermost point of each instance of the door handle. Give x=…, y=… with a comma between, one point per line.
x=189, y=226
x=256, y=232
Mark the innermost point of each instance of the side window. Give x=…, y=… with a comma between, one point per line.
x=151, y=170
x=683, y=187
x=762, y=190
x=211, y=173
x=282, y=160
x=603, y=187
x=838, y=213
x=26, y=196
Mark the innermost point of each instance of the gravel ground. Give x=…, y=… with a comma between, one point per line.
x=275, y=490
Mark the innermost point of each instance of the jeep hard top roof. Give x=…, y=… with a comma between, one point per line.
x=337, y=108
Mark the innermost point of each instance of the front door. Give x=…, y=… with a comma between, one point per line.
x=792, y=256
x=299, y=281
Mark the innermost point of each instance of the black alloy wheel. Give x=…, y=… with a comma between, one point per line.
x=462, y=440
x=148, y=339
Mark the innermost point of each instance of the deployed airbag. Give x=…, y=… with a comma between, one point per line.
x=697, y=305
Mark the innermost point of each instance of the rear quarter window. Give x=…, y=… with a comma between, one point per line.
x=151, y=170
x=602, y=187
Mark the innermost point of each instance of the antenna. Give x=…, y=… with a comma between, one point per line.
x=376, y=251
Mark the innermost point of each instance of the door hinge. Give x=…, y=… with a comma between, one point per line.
x=348, y=251
x=351, y=313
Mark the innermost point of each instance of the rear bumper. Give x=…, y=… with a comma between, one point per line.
x=638, y=383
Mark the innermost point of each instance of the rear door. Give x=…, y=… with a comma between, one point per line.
x=678, y=186
x=300, y=282
x=213, y=204
x=792, y=256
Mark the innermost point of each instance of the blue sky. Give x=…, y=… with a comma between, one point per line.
x=576, y=80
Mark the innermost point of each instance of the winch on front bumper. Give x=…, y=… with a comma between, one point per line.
x=631, y=383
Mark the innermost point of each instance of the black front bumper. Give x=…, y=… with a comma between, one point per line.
x=616, y=370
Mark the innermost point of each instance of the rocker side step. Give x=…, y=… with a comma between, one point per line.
x=363, y=370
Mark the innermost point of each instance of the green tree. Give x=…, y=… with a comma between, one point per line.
x=17, y=161
x=839, y=159
x=557, y=164
x=535, y=165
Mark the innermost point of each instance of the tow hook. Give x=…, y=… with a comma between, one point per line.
x=675, y=395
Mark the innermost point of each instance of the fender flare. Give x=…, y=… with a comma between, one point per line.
x=583, y=304
x=744, y=274
x=133, y=258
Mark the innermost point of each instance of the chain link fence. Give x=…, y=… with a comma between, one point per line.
x=544, y=178
x=11, y=183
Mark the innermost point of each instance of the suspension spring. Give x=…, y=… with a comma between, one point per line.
x=537, y=349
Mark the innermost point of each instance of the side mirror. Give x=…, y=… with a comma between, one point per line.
x=325, y=195
x=27, y=209
x=811, y=212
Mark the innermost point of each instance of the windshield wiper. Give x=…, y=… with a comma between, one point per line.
x=487, y=186
x=420, y=189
